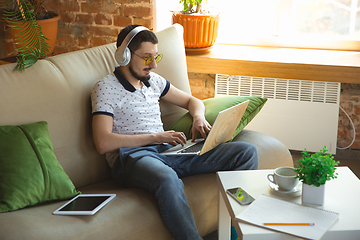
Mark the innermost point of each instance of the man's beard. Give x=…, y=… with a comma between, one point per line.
x=141, y=78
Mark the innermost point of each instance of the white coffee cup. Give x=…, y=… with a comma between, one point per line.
x=284, y=177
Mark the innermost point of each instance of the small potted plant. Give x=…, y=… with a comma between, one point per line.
x=313, y=170
x=200, y=25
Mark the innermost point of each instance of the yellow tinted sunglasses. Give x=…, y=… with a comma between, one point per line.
x=150, y=59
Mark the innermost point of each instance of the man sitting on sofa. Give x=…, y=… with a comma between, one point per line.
x=128, y=128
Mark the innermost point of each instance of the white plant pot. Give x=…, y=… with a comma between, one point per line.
x=312, y=194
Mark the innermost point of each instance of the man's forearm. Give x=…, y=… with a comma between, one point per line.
x=112, y=142
x=196, y=108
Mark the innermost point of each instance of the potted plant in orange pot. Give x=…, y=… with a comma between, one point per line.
x=33, y=28
x=200, y=26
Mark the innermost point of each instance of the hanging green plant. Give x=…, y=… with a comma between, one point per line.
x=32, y=45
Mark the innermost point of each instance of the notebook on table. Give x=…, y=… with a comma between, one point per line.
x=222, y=131
x=270, y=210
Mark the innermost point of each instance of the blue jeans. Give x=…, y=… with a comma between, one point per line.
x=144, y=167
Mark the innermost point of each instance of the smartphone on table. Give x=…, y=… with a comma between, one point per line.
x=240, y=195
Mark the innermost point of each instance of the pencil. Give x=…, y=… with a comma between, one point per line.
x=299, y=224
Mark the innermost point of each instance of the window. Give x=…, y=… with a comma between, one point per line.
x=327, y=24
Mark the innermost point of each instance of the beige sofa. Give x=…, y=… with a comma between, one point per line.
x=57, y=90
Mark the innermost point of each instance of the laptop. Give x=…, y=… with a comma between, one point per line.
x=222, y=131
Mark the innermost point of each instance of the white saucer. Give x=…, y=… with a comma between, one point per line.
x=294, y=190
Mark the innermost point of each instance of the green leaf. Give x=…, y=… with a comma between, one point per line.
x=317, y=168
x=22, y=17
x=187, y=4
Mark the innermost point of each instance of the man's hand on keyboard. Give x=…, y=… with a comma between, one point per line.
x=171, y=137
x=200, y=125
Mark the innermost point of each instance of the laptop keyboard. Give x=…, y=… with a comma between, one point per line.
x=194, y=148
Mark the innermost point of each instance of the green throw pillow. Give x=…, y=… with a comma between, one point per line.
x=29, y=171
x=214, y=105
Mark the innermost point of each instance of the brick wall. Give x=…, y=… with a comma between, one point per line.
x=7, y=48
x=2, y=37
x=202, y=85
x=350, y=102
x=89, y=23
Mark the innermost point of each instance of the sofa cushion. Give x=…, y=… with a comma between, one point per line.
x=29, y=171
x=214, y=105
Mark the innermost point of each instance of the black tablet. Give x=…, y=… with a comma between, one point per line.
x=84, y=204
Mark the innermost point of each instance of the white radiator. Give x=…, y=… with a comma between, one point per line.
x=301, y=114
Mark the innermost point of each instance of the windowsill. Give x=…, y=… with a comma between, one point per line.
x=285, y=63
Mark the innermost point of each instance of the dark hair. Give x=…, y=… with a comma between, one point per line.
x=143, y=36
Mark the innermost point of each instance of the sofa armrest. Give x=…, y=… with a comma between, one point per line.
x=272, y=153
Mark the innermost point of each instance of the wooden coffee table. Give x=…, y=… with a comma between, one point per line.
x=342, y=195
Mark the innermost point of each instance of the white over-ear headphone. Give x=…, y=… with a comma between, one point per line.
x=122, y=53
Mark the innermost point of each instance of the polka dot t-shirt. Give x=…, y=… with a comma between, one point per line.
x=134, y=111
